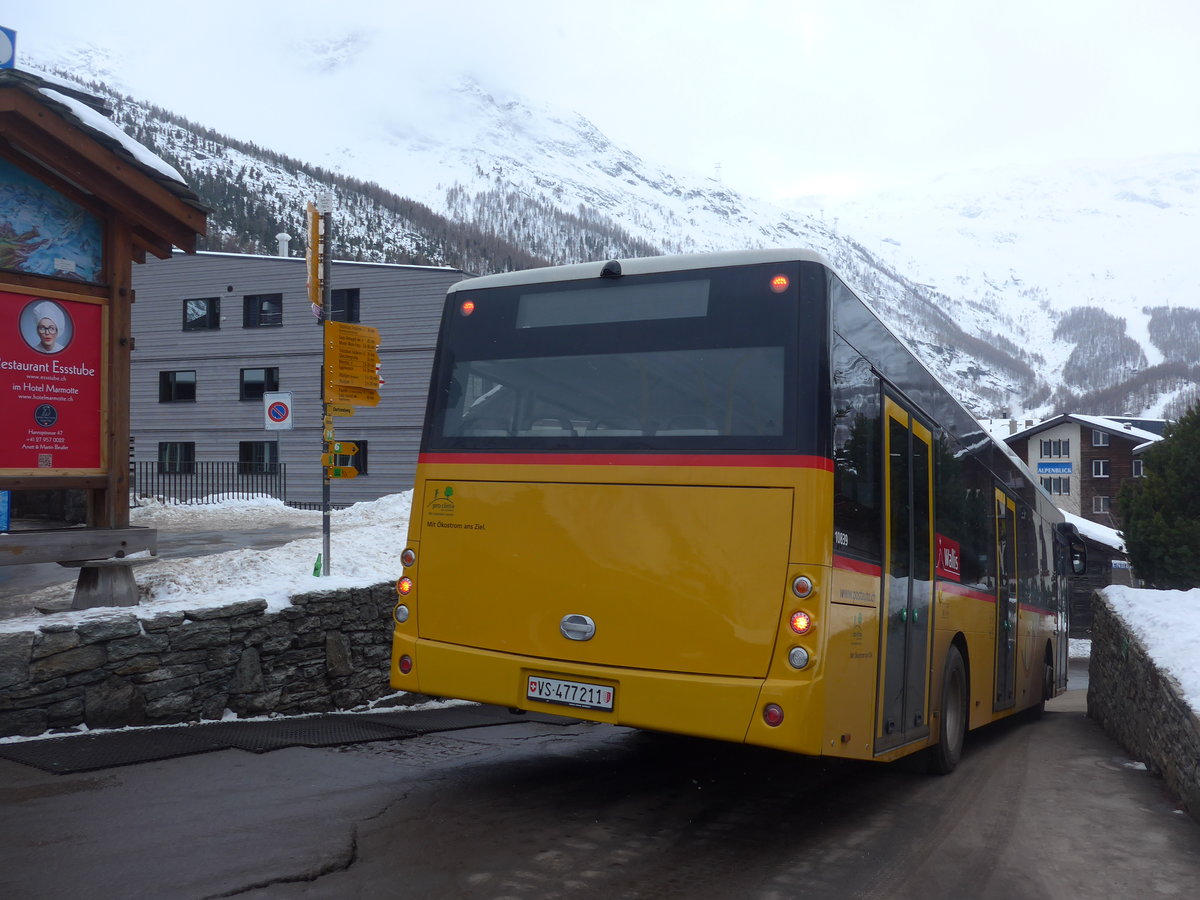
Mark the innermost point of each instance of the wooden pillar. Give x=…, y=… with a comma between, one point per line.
x=110, y=507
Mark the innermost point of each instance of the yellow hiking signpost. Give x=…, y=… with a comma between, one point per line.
x=349, y=366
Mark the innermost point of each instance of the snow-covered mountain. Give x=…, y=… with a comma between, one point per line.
x=1036, y=244
x=979, y=273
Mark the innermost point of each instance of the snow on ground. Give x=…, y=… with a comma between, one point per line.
x=365, y=544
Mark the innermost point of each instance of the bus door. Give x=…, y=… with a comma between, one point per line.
x=1007, y=601
x=903, y=713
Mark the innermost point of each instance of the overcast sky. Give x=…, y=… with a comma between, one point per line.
x=788, y=97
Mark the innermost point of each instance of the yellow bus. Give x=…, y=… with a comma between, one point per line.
x=715, y=495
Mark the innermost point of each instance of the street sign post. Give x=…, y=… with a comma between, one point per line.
x=277, y=410
x=351, y=363
x=358, y=396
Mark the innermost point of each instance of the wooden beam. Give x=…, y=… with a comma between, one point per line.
x=45, y=286
x=72, y=544
x=51, y=482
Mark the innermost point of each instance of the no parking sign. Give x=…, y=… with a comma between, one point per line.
x=277, y=410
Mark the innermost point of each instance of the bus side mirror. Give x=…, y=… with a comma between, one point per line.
x=1070, y=535
x=1078, y=558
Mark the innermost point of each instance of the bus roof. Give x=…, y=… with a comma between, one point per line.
x=641, y=266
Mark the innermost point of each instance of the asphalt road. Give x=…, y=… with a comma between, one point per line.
x=1048, y=809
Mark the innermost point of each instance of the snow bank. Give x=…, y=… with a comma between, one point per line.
x=1165, y=622
x=365, y=544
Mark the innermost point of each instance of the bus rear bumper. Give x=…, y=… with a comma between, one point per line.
x=708, y=706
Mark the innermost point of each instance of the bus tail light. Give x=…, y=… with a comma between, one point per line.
x=404, y=586
x=401, y=614
x=773, y=714
x=798, y=658
x=801, y=622
x=408, y=557
x=405, y=664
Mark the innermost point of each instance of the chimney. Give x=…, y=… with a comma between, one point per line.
x=283, y=238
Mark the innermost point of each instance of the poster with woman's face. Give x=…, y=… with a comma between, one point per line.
x=51, y=383
x=46, y=326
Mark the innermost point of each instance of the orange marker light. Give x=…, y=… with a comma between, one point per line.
x=467, y=307
x=780, y=283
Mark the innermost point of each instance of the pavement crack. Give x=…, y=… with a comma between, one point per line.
x=340, y=863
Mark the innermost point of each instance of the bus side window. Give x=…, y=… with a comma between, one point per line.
x=856, y=455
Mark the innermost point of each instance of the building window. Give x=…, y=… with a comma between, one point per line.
x=358, y=460
x=1099, y=438
x=255, y=382
x=175, y=387
x=262, y=310
x=1060, y=487
x=1099, y=468
x=1101, y=504
x=202, y=315
x=1056, y=449
x=258, y=457
x=1138, y=470
x=176, y=457
x=343, y=305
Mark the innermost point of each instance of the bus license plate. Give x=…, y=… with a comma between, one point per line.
x=570, y=693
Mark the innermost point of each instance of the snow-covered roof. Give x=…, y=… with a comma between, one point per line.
x=92, y=115
x=1101, y=534
x=1103, y=423
x=1114, y=427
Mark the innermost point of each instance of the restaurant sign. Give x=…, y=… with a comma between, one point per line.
x=50, y=383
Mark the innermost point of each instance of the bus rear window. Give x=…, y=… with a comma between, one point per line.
x=711, y=392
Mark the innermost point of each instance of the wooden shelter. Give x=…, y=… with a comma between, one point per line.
x=80, y=202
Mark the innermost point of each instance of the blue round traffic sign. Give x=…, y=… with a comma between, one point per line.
x=278, y=411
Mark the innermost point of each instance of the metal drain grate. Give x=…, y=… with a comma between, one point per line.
x=104, y=750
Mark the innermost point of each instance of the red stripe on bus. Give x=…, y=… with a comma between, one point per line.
x=853, y=565
x=1040, y=610
x=961, y=590
x=755, y=461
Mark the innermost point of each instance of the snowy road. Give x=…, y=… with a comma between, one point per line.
x=1045, y=809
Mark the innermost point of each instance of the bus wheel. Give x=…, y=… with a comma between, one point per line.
x=1047, y=689
x=952, y=723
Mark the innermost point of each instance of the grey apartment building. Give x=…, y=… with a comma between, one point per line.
x=215, y=331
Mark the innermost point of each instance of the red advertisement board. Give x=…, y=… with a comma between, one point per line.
x=50, y=383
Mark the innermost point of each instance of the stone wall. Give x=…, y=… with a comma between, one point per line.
x=328, y=650
x=1142, y=706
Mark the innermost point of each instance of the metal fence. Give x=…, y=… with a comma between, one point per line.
x=189, y=482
